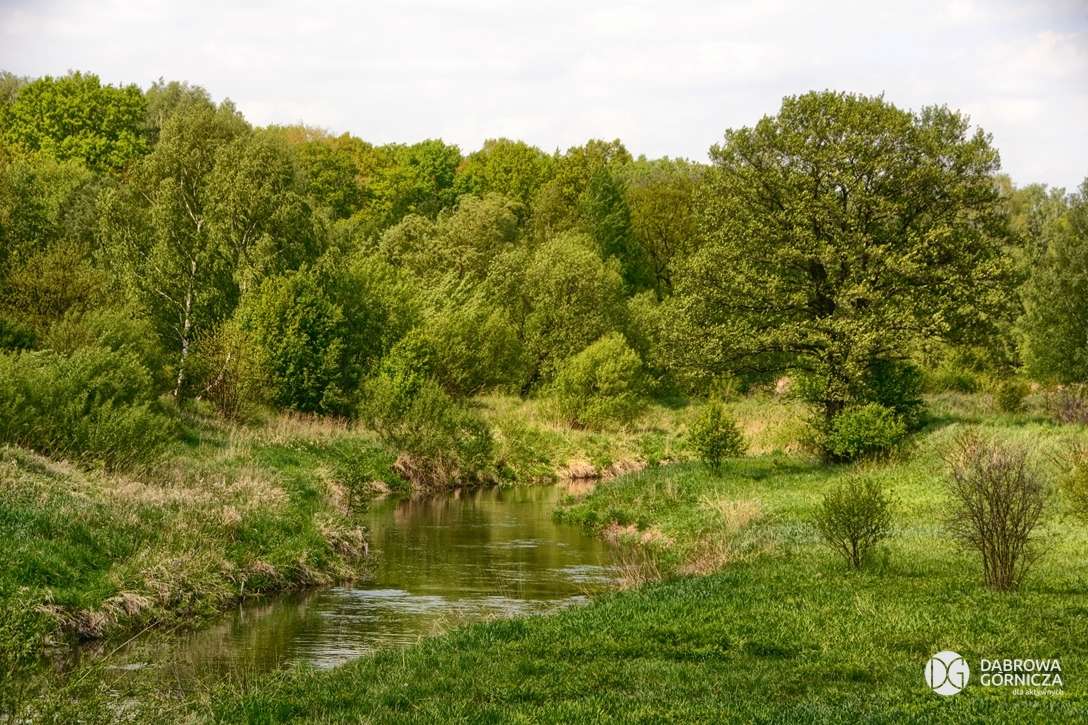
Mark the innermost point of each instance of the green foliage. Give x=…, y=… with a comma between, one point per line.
x=1009, y=395
x=316, y=335
x=562, y=298
x=1074, y=480
x=230, y=370
x=1053, y=327
x=119, y=329
x=15, y=336
x=897, y=385
x=460, y=244
x=442, y=441
x=76, y=117
x=714, y=435
x=157, y=232
x=512, y=168
x=953, y=374
x=661, y=197
x=601, y=385
x=778, y=284
x=470, y=347
x=865, y=431
x=853, y=518
x=94, y=405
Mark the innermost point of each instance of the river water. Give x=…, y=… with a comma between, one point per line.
x=441, y=561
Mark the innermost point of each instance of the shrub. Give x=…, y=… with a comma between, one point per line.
x=602, y=384
x=998, y=500
x=897, y=385
x=865, y=431
x=441, y=441
x=854, y=518
x=1009, y=395
x=471, y=348
x=714, y=435
x=953, y=376
x=316, y=333
x=1069, y=404
x=1074, y=480
x=94, y=405
x=117, y=329
x=226, y=369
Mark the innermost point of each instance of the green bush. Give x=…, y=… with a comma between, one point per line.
x=714, y=435
x=117, y=329
x=316, y=334
x=602, y=384
x=93, y=405
x=897, y=385
x=853, y=518
x=1009, y=395
x=441, y=441
x=864, y=431
x=471, y=348
x=227, y=369
x=952, y=376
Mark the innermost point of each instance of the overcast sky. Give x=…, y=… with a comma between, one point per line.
x=667, y=76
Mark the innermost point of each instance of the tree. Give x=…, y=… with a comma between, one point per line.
x=1054, y=327
x=415, y=179
x=47, y=219
x=661, y=197
x=836, y=234
x=317, y=332
x=562, y=298
x=76, y=117
x=255, y=210
x=156, y=231
x=512, y=168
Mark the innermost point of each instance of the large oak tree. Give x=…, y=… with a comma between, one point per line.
x=837, y=234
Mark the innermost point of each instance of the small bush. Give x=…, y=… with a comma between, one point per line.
x=602, y=384
x=441, y=441
x=94, y=405
x=998, y=500
x=854, y=518
x=714, y=435
x=866, y=431
x=1069, y=404
x=1009, y=395
x=226, y=369
x=1074, y=480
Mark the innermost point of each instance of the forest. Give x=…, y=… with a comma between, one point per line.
x=219, y=341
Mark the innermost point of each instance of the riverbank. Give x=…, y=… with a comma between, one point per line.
x=234, y=512
x=782, y=631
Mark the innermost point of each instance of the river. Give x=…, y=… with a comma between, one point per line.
x=440, y=561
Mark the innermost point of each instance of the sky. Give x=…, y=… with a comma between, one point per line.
x=668, y=78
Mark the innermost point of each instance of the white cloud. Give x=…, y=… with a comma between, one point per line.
x=668, y=78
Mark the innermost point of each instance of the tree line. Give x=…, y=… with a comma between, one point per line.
x=853, y=245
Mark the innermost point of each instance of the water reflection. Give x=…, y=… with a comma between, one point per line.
x=440, y=561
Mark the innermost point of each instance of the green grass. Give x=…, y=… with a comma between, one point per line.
x=234, y=512
x=783, y=632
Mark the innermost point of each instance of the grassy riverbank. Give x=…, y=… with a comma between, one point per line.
x=781, y=631
x=232, y=512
